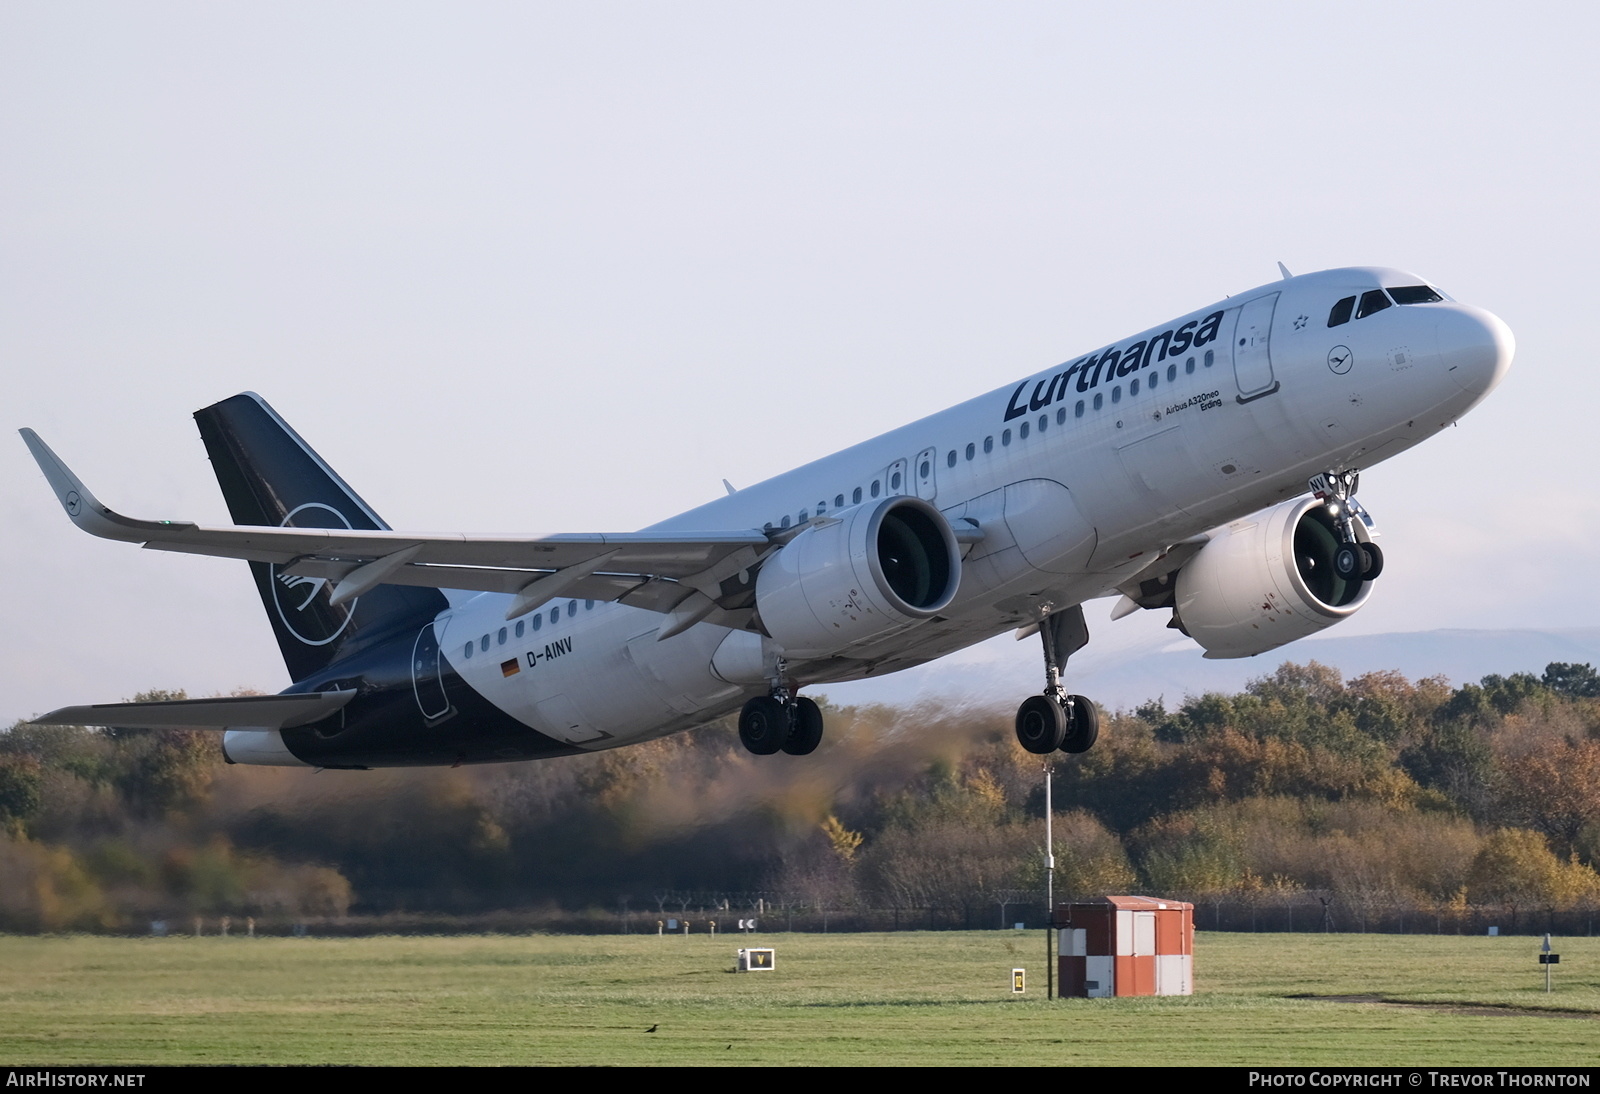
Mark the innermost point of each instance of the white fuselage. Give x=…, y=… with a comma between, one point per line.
x=1077, y=476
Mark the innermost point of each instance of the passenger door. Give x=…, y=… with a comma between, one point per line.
x=1252, y=349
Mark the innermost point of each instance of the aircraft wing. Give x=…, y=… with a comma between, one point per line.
x=661, y=571
x=238, y=711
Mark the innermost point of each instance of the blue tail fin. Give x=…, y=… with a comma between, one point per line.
x=269, y=476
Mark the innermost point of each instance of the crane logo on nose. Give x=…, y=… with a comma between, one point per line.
x=1340, y=359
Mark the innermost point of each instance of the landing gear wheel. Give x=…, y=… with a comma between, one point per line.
x=764, y=725
x=1041, y=724
x=1348, y=561
x=1084, y=727
x=806, y=732
x=1374, y=561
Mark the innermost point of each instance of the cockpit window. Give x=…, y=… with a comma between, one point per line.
x=1415, y=294
x=1341, y=312
x=1371, y=302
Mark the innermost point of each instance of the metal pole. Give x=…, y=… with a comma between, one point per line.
x=1049, y=846
x=1049, y=885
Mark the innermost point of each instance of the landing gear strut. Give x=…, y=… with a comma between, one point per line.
x=1355, y=559
x=1055, y=720
x=781, y=722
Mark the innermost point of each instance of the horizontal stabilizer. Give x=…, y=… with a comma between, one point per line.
x=250, y=711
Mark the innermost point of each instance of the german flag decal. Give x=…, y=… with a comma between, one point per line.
x=510, y=668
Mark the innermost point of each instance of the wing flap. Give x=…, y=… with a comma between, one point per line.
x=677, y=554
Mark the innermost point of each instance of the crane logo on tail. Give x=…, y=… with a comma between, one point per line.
x=302, y=601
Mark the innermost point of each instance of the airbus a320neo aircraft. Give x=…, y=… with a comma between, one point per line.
x=1206, y=466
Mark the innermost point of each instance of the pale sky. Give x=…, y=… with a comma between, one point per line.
x=563, y=267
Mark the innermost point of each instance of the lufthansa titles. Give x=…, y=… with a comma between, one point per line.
x=1089, y=372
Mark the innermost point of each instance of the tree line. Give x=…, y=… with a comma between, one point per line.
x=1345, y=804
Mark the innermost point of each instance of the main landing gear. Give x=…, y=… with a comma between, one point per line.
x=1056, y=721
x=780, y=723
x=1354, y=559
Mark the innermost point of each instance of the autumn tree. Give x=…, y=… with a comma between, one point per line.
x=20, y=796
x=1555, y=789
x=1516, y=868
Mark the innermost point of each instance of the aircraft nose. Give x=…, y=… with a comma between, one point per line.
x=1476, y=348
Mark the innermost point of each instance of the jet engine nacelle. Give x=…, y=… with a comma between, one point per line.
x=1265, y=581
x=857, y=576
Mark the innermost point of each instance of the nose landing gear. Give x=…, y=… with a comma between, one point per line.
x=1056, y=721
x=1356, y=559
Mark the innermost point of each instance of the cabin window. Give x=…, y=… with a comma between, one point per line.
x=555, y=615
x=838, y=501
x=988, y=444
x=855, y=498
x=1211, y=358
x=1044, y=420
x=1151, y=378
x=1061, y=415
x=874, y=488
x=1099, y=400
x=971, y=451
x=588, y=605
x=1116, y=394
x=538, y=621
x=483, y=643
x=521, y=626
x=784, y=523
x=1077, y=411
x=469, y=650
x=1172, y=373
x=572, y=608
x=925, y=469
x=1339, y=315
x=1371, y=303
x=804, y=516
x=951, y=461
x=501, y=640
x=1188, y=366
x=1133, y=387
x=894, y=483
x=1415, y=294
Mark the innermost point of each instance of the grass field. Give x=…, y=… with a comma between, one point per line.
x=908, y=998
